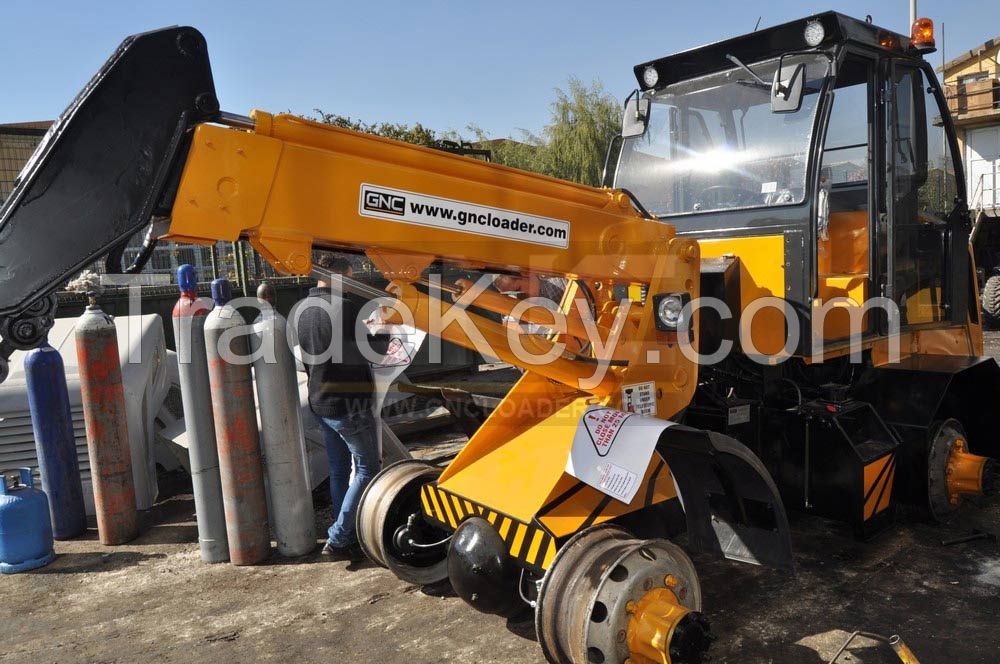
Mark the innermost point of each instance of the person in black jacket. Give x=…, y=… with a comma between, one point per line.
x=340, y=394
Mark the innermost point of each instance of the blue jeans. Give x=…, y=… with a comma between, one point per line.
x=347, y=438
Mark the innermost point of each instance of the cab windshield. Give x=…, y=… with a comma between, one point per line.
x=714, y=144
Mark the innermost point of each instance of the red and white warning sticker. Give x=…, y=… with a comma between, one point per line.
x=602, y=426
x=611, y=450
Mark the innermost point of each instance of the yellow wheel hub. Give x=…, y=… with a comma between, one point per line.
x=964, y=473
x=654, y=618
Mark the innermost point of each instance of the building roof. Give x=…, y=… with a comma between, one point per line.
x=41, y=124
x=970, y=55
x=26, y=128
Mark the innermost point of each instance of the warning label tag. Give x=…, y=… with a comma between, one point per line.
x=602, y=426
x=739, y=414
x=611, y=450
x=639, y=398
x=409, y=207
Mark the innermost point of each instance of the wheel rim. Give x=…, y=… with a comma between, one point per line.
x=941, y=442
x=386, y=504
x=590, y=591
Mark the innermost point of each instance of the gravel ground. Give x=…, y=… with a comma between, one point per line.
x=153, y=600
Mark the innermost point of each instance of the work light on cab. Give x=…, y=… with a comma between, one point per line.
x=814, y=33
x=650, y=76
x=922, y=34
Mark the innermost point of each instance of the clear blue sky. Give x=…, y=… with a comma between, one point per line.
x=444, y=64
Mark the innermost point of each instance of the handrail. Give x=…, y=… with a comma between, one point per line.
x=958, y=91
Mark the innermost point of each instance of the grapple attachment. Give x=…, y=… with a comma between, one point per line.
x=106, y=166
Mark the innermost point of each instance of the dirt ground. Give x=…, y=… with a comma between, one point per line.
x=153, y=600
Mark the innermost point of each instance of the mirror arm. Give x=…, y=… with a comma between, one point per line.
x=831, y=60
x=736, y=61
x=634, y=93
x=607, y=159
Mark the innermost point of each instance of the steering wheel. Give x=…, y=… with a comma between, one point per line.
x=738, y=197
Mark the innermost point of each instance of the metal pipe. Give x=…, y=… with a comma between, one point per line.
x=808, y=467
x=913, y=12
x=502, y=304
x=240, y=467
x=189, y=317
x=350, y=285
x=288, y=490
x=236, y=120
x=902, y=651
x=103, y=397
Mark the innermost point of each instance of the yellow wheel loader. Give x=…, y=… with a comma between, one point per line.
x=771, y=304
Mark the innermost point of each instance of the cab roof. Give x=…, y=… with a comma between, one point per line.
x=770, y=43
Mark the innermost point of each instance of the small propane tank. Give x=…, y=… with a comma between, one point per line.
x=25, y=527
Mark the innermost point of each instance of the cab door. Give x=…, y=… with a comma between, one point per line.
x=923, y=230
x=847, y=180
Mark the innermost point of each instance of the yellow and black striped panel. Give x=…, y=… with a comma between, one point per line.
x=878, y=480
x=529, y=544
x=575, y=506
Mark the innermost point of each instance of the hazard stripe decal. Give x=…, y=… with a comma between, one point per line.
x=530, y=544
x=878, y=477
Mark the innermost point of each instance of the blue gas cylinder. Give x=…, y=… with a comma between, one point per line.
x=55, y=440
x=25, y=527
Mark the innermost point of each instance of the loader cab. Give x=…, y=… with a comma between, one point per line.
x=848, y=192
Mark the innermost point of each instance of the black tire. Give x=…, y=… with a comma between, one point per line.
x=991, y=300
x=386, y=503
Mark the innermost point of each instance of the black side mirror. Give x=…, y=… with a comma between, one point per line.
x=636, y=116
x=786, y=92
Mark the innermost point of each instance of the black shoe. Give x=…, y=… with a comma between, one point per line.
x=351, y=552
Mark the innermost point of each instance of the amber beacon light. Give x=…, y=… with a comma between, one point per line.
x=922, y=34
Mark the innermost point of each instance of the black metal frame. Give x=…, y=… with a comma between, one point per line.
x=102, y=169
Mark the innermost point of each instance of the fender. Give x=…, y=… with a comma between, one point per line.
x=732, y=505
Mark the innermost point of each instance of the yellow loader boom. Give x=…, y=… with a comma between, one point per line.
x=291, y=184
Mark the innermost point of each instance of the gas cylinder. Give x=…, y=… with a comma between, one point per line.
x=55, y=442
x=25, y=528
x=240, y=466
x=107, y=432
x=288, y=491
x=189, y=316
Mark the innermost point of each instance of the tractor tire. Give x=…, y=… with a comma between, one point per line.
x=991, y=301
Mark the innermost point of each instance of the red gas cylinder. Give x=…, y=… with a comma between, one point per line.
x=107, y=432
x=240, y=465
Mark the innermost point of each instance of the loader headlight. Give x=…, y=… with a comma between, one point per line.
x=814, y=33
x=650, y=76
x=669, y=309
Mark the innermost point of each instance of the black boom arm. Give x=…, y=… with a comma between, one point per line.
x=107, y=165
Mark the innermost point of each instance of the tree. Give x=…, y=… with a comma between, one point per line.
x=584, y=120
x=572, y=146
x=417, y=133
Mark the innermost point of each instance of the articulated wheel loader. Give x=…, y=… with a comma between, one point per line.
x=771, y=304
